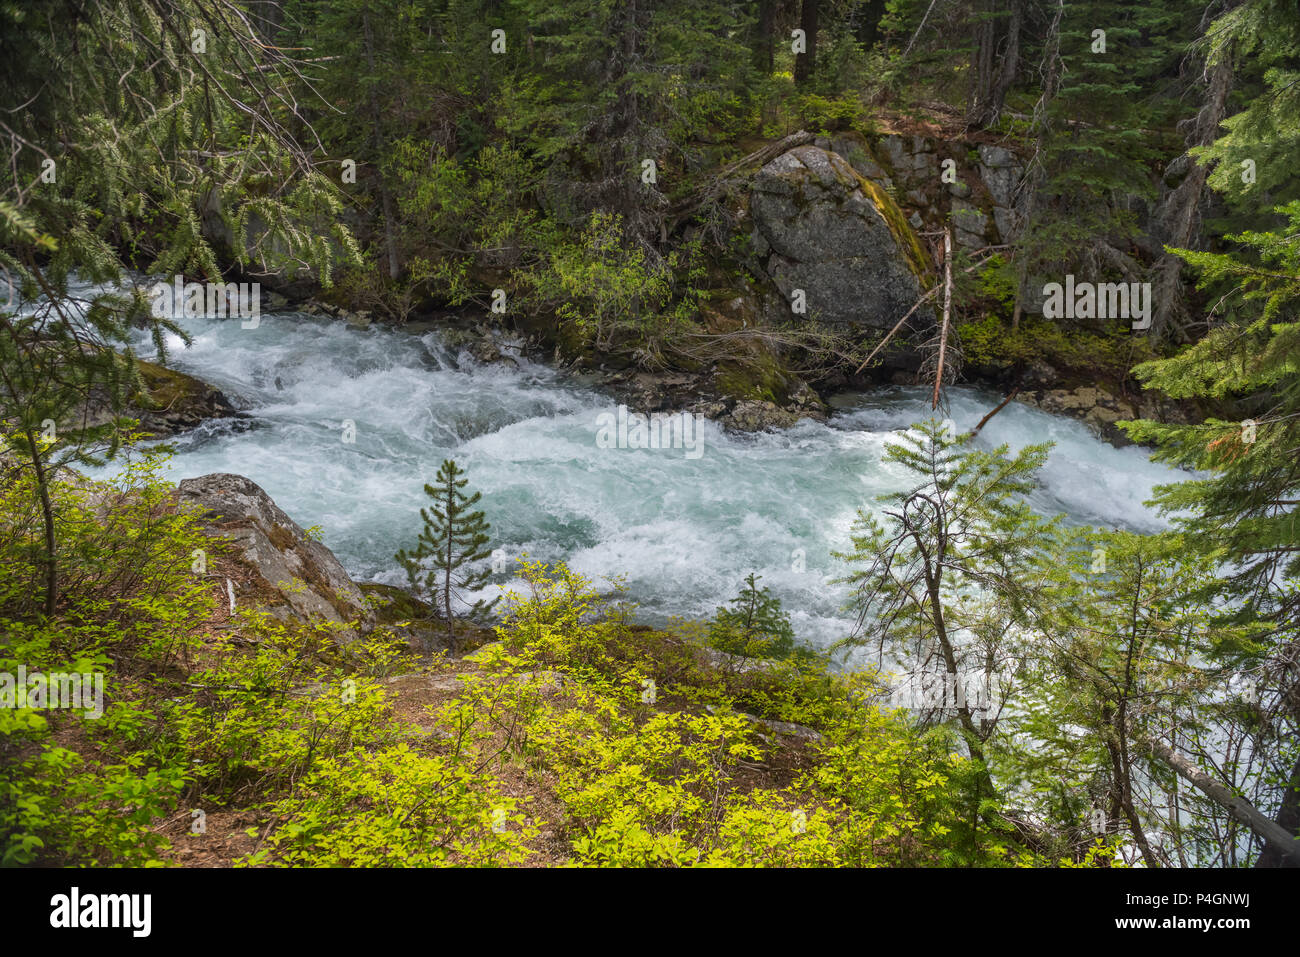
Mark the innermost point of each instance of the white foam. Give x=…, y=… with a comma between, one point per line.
x=683, y=532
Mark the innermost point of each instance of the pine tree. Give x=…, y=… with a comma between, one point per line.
x=122, y=163
x=954, y=566
x=1099, y=128
x=453, y=540
x=754, y=626
x=1244, y=510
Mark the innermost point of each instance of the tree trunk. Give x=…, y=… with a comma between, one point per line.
x=1050, y=70
x=1273, y=833
x=1179, y=216
x=994, y=62
x=947, y=311
x=1288, y=818
x=446, y=577
x=805, y=64
x=385, y=197
x=47, y=518
x=765, y=42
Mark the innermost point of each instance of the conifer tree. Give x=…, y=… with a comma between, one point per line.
x=453, y=540
x=1103, y=101
x=754, y=626
x=165, y=118
x=954, y=565
x=1245, y=507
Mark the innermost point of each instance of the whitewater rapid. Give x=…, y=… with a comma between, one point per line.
x=681, y=532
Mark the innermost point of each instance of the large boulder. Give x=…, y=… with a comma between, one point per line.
x=175, y=402
x=292, y=574
x=825, y=229
x=170, y=403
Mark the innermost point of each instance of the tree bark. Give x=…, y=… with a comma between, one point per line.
x=947, y=311
x=765, y=45
x=1273, y=833
x=47, y=518
x=994, y=63
x=1288, y=818
x=1179, y=215
x=385, y=197
x=1050, y=70
x=805, y=64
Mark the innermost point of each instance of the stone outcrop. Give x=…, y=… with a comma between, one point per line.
x=982, y=206
x=292, y=574
x=170, y=403
x=175, y=402
x=1098, y=408
x=821, y=227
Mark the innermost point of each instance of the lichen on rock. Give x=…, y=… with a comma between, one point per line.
x=837, y=236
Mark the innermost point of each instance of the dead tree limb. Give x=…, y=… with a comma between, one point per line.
x=898, y=325
x=684, y=208
x=1266, y=828
x=917, y=305
x=1001, y=405
x=947, y=312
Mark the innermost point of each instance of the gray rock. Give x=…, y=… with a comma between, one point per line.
x=1007, y=222
x=754, y=415
x=899, y=156
x=826, y=237
x=971, y=224
x=1000, y=171
x=860, y=158
x=997, y=157
x=170, y=404
x=293, y=575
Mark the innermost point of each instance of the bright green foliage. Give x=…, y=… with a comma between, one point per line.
x=129, y=559
x=1241, y=509
x=1127, y=654
x=630, y=730
x=130, y=613
x=991, y=341
x=648, y=782
x=1244, y=508
x=263, y=720
x=397, y=808
x=1261, y=39
x=615, y=297
x=56, y=807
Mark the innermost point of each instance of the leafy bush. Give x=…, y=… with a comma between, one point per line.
x=396, y=808
x=262, y=720
x=130, y=607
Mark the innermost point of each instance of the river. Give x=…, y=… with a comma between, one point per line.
x=681, y=531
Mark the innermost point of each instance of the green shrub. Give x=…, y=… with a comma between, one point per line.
x=396, y=808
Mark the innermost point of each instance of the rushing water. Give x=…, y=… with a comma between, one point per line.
x=682, y=532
